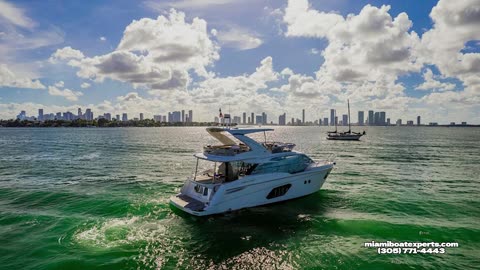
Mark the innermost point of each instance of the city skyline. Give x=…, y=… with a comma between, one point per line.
x=182, y=116
x=388, y=55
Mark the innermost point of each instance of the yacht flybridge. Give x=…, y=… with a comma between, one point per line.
x=242, y=172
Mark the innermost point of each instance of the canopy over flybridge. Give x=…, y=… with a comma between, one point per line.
x=248, y=148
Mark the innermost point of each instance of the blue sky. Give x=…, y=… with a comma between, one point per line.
x=254, y=56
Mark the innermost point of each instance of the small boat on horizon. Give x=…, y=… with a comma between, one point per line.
x=242, y=172
x=345, y=136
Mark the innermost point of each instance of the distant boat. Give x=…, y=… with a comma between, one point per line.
x=345, y=136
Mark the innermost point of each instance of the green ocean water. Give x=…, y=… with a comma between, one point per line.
x=98, y=199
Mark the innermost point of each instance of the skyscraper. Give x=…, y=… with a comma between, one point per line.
x=244, y=118
x=183, y=116
x=383, y=120
x=79, y=113
x=259, y=119
x=190, y=116
x=141, y=116
x=40, y=114
x=371, y=118
x=124, y=117
x=325, y=121
x=282, y=119
x=345, y=120
x=253, y=118
x=264, y=118
x=418, y=121
x=303, y=116
x=107, y=116
x=361, y=119
x=88, y=114
x=117, y=117
x=376, y=119
x=332, y=117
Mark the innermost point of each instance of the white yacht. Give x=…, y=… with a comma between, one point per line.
x=241, y=173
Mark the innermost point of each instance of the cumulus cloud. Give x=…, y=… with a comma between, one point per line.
x=238, y=38
x=59, y=84
x=455, y=24
x=10, y=79
x=66, y=53
x=85, y=85
x=103, y=39
x=68, y=94
x=431, y=83
x=153, y=53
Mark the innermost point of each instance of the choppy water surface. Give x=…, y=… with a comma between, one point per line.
x=98, y=199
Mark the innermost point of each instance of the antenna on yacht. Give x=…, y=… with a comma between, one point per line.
x=335, y=120
x=349, y=129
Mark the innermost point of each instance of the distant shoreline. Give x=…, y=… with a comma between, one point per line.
x=150, y=123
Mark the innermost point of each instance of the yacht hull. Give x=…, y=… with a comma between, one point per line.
x=254, y=191
x=348, y=137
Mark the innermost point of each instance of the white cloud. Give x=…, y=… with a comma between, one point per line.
x=15, y=15
x=60, y=84
x=103, y=38
x=302, y=21
x=10, y=79
x=238, y=38
x=66, y=53
x=153, y=53
x=66, y=93
x=455, y=23
x=85, y=85
x=432, y=84
x=185, y=4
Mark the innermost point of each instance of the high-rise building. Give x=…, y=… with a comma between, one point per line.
x=183, y=116
x=259, y=120
x=253, y=118
x=175, y=117
x=124, y=117
x=107, y=116
x=22, y=115
x=58, y=116
x=303, y=116
x=336, y=120
x=244, y=118
x=79, y=113
x=332, y=117
x=361, y=119
x=282, y=119
x=371, y=118
x=325, y=121
x=141, y=116
x=249, y=120
x=88, y=114
x=345, y=120
x=376, y=119
x=40, y=114
x=399, y=122
x=409, y=123
x=190, y=116
x=293, y=121
x=237, y=119
x=264, y=118
x=388, y=121
x=157, y=118
x=418, y=121
x=117, y=117
x=319, y=121
x=383, y=120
